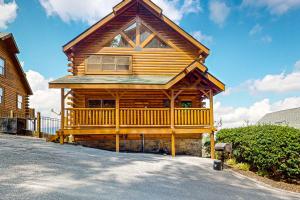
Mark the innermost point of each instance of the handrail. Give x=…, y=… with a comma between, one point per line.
x=136, y=117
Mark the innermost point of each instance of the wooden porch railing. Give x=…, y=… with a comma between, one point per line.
x=192, y=117
x=77, y=117
x=136, y=117
x=144, y=117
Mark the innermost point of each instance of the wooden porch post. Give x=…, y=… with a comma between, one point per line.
x=173, y=145
x=212, y=135
x=212, y=145
x=117, y=122
x=62, y=111
x=173, y=149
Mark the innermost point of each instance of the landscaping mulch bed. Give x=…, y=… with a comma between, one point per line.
x=276, y=184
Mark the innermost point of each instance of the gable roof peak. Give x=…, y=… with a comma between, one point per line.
x=156, y=10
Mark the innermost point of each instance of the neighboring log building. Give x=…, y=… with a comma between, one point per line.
x=14, y=87
x=136, y=75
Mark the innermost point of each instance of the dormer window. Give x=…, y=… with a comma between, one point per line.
x=2, y=66
x=138, y=34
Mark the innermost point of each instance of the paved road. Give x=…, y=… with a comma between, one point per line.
x=33, y=169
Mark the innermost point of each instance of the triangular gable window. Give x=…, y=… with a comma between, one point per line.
x=128, y=37
x=118, y=41
x=144, y=32
x=157, y=43
x=131, y=32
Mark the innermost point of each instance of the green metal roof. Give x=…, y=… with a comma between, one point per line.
x=115, y=79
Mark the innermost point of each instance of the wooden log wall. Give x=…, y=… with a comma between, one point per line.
x=12, y=85
x=135, y=99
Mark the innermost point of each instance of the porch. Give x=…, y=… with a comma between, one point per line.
x=139, y=119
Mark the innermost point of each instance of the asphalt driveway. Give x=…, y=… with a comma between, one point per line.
x=33, y=169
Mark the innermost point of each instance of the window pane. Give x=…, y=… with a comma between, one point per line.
x=186, y=104
x=157, y=43
x=1, y=66
x=109, y=67
x=122, y=67
x=118, y=41
x=108, y=104
x=108, y=59
x=1, y=95
x=20, y=102
x=123, y=63
x=123, y=60
x=1, y=62
x=145, y=32
x=94, y=59
x=20, y=98
x=95, y=103
x=94, y=67
x=131, y=32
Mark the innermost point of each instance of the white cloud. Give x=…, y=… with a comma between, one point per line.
x=277, y=83
x=277, y=7
x=8, y=13
x=242, y=116
x=175, y=11
x=43, y=99
x=219, y=12
x=90, y=11
x=206, y=39
x=255, y=30
x=266, y=39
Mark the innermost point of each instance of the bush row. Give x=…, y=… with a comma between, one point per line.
x=268, y=149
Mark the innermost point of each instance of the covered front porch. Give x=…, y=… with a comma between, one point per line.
x=151, y=106
x=134, y=114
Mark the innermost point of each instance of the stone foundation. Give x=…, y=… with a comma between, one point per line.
x=183, y=146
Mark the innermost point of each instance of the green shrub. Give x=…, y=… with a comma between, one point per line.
x=267, y=148
x=243, y=166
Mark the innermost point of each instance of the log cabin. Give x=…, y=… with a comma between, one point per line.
x=135, y=73
x=14, y=87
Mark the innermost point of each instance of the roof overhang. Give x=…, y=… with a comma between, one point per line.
x=154, y=82
x=120, y=8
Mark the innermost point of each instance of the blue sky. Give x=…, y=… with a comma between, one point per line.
x=255, y=45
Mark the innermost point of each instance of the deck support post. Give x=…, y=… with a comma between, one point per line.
x=117, y=122
x=173, y=148
x=212, y=135
x=117, y=142
x=62, y=115
x=212, y=145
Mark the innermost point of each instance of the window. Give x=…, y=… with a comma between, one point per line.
x=157, y=43
x=128, y=37
x=1, y=95
x=118, y=41
x=19, y=102
x=186, y=104
x=98, y=63
x=131, y=32
x=101, y=103
x=145, y=33
x=2, y=63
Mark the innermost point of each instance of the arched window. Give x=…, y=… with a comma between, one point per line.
x=137, y=34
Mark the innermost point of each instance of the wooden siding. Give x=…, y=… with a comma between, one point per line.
x=12, y=85
x=134, y=98
x=145, y=61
